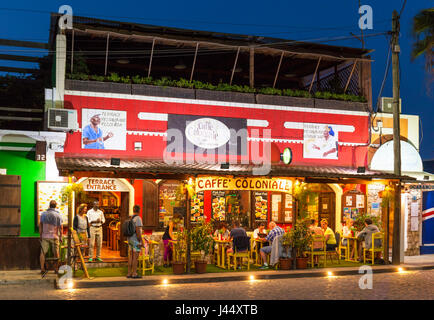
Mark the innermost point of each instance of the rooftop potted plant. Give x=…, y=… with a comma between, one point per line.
x=300, y=238
x=202, y=241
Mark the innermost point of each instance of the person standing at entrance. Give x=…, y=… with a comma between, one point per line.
x=96, y=220
x=50, y=234
x=168, y=251
x=135, y=244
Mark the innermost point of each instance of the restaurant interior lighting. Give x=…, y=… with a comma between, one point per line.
x=252, y=277
x=400, y=270
x=329, y=273
x=165, y=281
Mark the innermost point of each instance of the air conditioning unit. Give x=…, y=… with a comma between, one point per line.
x=62, y=119
x=387, y=105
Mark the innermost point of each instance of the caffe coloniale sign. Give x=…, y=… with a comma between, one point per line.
x=207, y=133
x=258, y=184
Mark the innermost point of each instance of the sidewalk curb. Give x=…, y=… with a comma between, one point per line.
x=29, y=282
x=81, y=284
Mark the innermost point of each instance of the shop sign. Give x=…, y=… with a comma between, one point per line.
x=424, y=187
x=258, y=184
x=207, y=133
x=104, y=184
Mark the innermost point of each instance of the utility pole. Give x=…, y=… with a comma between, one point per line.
x=396, y=246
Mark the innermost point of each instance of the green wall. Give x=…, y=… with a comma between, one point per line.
x=22, y=163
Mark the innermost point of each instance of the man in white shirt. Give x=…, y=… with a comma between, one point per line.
x=327, y=145
x=96, y=220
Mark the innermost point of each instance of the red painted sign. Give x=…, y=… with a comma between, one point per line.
x=316, y=136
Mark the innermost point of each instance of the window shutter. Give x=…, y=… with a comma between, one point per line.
x=150, y=204
x=10, y=205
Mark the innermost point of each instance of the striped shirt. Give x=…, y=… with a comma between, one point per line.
x=277, y=231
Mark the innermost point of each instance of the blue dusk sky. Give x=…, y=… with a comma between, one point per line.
x=312, y=20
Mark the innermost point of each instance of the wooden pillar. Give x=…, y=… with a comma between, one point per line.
x=187, y=224
x=314, y=74
x=252, y=68
x=278, y=69
x=235, y=65
x=106, y=54
x=194, y=61
x=150, y=60
x=351, y=75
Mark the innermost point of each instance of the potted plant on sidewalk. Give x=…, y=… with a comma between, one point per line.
x=300, y=238
x=286, y=263
x=202, y=241
x=178, y=264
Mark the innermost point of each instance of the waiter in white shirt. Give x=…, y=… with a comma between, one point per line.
x=96, y=220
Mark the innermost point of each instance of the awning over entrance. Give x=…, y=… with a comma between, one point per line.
x=135, y=168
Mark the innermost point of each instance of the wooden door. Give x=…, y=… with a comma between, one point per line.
x=10, y=205
x=124, y=214
x=326, y=208
x=150, y=205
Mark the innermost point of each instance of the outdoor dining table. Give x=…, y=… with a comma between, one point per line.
x=355, y=244
x=259, y=243
x=221, y=247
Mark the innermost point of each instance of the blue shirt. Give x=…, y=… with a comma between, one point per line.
x=89, y=132
x=277, y=231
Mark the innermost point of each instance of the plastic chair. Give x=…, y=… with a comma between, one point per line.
x=147, y=258
x=241, y=249
x=345, y=249
x=334, y=251
x=320, y=253
x=375, y=236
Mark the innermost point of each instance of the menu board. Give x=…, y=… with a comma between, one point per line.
x=353, y=204
x=218, y=205
x=197, y=207
x=261, y=205
x=167, y=197
x=276, y=200
x=288, y=208
x=48, y=191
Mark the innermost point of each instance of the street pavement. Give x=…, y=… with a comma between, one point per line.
x=410, y=285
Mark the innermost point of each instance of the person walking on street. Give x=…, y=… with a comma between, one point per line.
x=135, y=244
x=50, y=225
x=96, y=220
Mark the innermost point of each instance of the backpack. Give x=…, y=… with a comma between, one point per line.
x=128, y=227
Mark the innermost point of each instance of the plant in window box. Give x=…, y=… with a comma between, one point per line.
x=300, y=238
x=286, y=242
x=203, y=242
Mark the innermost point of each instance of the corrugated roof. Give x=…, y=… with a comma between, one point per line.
x=67, y=164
